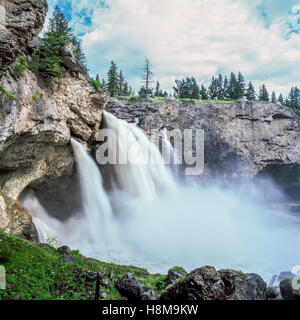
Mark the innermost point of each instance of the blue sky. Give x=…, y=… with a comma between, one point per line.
x=200, y=38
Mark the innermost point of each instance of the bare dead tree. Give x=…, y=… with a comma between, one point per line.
x=147, y=76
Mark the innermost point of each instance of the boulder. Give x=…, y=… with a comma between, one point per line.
x=64, y=250
x=251, y=287
x=173, y=275
x=16, y=219
x=69, y=60
x=132, y=289
x=208, y=284
x=67, y=259
x=288, y=290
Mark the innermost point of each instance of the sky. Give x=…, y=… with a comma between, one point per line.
x=200, y=38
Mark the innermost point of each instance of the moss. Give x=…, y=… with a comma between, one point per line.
x=8, y=94
x=37, y=96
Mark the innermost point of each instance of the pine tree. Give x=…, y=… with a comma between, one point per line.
x=250, y=94
x=158, y=92
x=203, y=93
x=195, y=90
x=274, y=98
x=232, y=88
x=220, y=86
x=280, y=99
x=240, y=86
x=225, y=87
x=293, y=100
x=263, y=94
x=113, y=79
x=121, y=82
x=58, y=33
x=213, y=88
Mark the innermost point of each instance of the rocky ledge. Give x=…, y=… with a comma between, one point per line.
x=242, y=139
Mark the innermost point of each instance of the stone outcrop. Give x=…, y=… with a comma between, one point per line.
x=16, y=219
x=131, y=288
x=36, y=128
x=241, y=139
x=20, y=20
x=207, y=283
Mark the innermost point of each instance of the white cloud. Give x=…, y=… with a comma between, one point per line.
x=191, y=38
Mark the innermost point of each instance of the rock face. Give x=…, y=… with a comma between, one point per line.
x=38, y=116
x=36, y=128
x=16, y=219
x=132, y=289
x=241, y=139
x=20, y=20
x=208, y=284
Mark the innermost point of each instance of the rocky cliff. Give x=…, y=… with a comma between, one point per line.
x=38, y=116
x=242, y=139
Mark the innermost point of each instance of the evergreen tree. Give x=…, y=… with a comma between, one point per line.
x=121, y=83
x=220, y=86
x=113, y=79
x=280, y=99
x=58, y=33
x=213, y=88
x=293, y=100
x=240, y=86
x=158, y=92
x=232, y=92
x=263, y=94
x=250, y=94
x=195, y=90
x=203, y=93
x=126, y=91
x=97, y=77
x=274, y=98
x=225, y=87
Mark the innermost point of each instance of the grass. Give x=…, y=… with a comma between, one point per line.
x=7, y=93
x=34, y=272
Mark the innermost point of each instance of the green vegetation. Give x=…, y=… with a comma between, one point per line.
x=37, y=96
x=34, y=272
x=8, y=94
x=20, y=66
x=47, y=58
x=96, y=84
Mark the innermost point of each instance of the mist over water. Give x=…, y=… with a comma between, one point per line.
x=150, y=219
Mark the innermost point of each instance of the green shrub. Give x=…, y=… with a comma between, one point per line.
x=21, y=66
x=37, y=96
x=96, y=84
x=8, y=94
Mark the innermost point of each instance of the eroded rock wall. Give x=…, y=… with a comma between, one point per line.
x=241, y=139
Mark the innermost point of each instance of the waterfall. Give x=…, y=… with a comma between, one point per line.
x=151, y=220
x=97, y=209
x=144, y=175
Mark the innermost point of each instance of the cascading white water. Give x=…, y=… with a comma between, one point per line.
x=138, y=177
x=97, y=209
x=150, y=220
